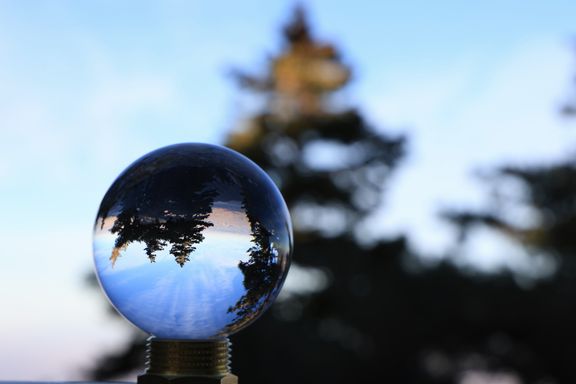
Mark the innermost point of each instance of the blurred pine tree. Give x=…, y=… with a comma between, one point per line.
x=332, y=168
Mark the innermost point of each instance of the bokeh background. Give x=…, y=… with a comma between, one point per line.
x=468, y=107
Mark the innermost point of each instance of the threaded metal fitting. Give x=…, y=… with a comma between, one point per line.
x=181, y=361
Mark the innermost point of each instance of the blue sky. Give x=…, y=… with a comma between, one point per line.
x=86, y=87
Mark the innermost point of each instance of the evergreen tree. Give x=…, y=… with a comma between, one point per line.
x=330, y=334
x=541, y=317
x=151, y=218
x=262, y=270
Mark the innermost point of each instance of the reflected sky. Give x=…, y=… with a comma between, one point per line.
x=163, y=299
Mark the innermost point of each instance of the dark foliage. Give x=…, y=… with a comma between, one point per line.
x=262, y=270
x=139, y=217
x=121, y=362
x=537, y=322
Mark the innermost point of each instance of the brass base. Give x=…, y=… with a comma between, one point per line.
x=187, y=362
x=155, y=379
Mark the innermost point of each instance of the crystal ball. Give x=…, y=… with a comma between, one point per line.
x=192, y=242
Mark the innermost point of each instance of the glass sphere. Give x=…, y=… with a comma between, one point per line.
x=192, y=241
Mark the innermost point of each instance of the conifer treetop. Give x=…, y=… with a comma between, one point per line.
x=302, y=75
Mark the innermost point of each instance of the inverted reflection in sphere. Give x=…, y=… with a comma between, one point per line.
x=192, y=241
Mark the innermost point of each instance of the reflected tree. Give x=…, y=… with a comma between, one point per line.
x=261, y=271
x=165, y=209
